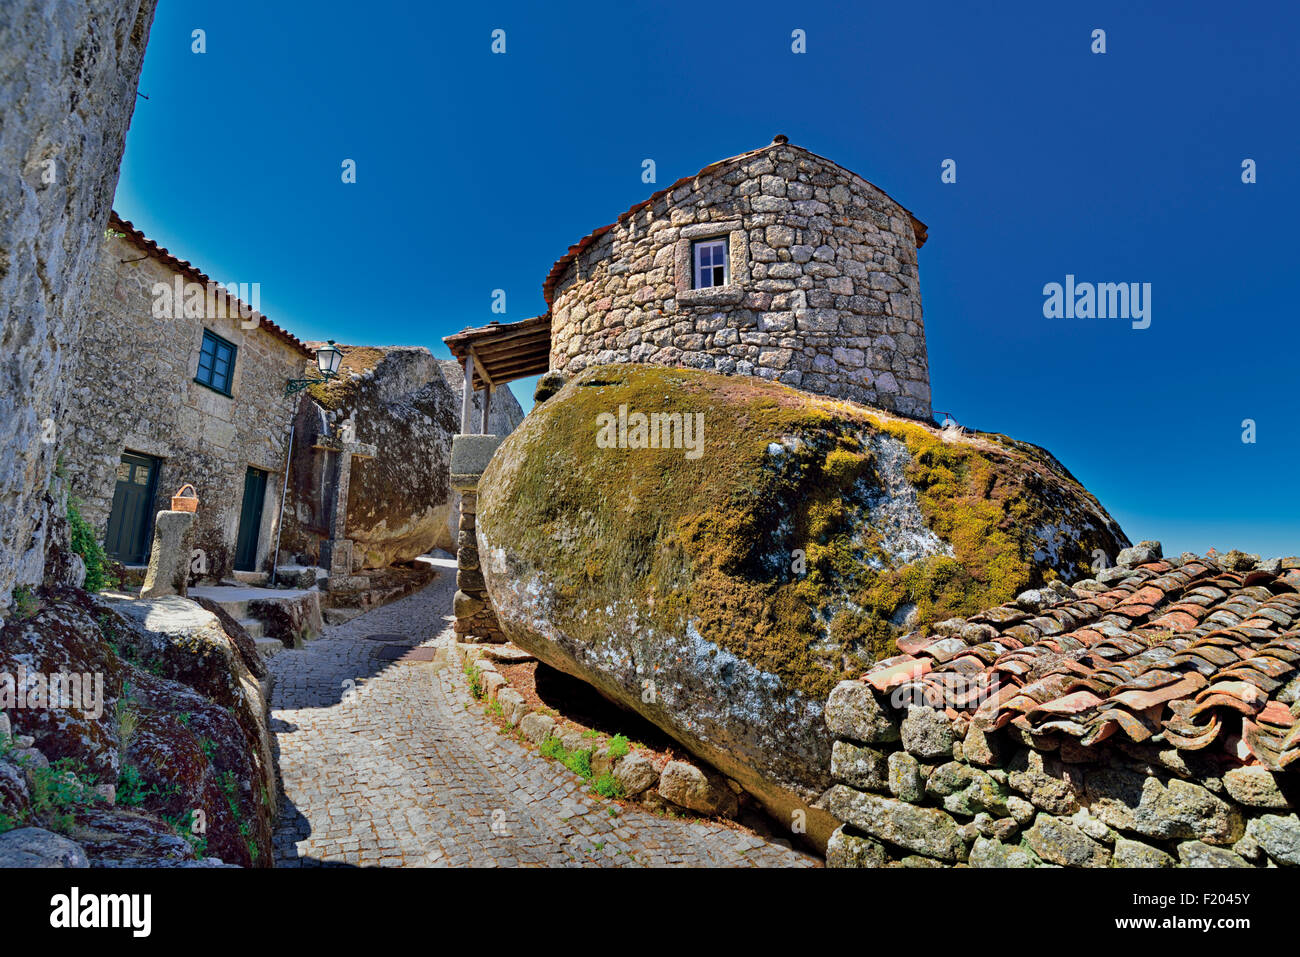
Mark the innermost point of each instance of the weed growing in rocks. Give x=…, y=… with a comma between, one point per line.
x=85, y=543
x=475, y=675
x=26, y=604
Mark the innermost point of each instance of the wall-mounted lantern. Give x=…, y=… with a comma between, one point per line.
x=328, y=359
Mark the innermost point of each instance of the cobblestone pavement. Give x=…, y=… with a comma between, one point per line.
x=393, y=764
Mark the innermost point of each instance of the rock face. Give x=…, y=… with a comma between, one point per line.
x=175, y=723
x=400, y=504
x=67, y=90
x=723, y=587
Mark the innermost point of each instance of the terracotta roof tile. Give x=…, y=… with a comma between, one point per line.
x=1218, y=664
x=148, y=246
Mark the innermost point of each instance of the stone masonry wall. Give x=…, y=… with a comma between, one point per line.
x=68, y=75
x=134, y=390
x=914, y=790
x=824, y=293
x=475, y=619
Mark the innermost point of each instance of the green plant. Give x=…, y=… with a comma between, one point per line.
x=608, y=786
x=85, y=544
x=26, y=604
x=131, y=786
x=183, y=825
x=579, y=762
x=57, y=792
x=209, y=748
x=475, y=675
x=619, y=747
x=128, y=719
x=229, y=787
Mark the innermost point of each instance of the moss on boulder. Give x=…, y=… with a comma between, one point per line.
x=723, y=594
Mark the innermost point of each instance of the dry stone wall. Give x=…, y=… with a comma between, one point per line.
x=67, y=91
x=824, y=292
x=134, y=389
x=913, y=789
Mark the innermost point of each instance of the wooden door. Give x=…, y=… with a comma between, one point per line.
x=250, y=520
x=131, y=520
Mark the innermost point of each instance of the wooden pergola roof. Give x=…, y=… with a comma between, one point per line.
x=504, y=352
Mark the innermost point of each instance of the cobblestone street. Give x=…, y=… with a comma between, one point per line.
x=393, y=764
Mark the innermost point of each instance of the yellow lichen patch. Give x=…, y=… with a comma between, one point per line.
x=763, y=542
x=335, y=393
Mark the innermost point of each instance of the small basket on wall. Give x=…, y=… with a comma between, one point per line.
x=182, y=502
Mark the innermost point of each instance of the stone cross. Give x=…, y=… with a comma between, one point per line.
x=336, y=551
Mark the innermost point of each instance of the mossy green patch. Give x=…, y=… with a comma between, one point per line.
x=764, y=544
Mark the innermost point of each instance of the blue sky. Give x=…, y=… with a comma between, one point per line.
x=476, y=171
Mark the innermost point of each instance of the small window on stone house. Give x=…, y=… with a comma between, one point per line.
x=216, y=363
x=711, y=265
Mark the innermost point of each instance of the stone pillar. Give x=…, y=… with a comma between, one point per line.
x=475, y=619
x=169, y=559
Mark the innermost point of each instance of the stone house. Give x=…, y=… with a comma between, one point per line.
x=177, y=382
x=776, y=263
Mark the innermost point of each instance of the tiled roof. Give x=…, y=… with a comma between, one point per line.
x=553, y=277
x=147, y=245
x=1198, y=654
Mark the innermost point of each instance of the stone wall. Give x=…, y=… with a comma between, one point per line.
x=67, y=91
x=134, y=389
x=915, y=790
x=824, y=293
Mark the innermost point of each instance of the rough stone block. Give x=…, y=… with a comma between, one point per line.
x=852, y=711
x=926, y=831
x=169, y=558
x=636, y=773
x=1129, y=801
x=1136, y=854
x=850, y=850
x=470, y=455
x=927, y=733
x=1060, y=842
x=689, y=787
x=864, y=768
x=1255, y=786
x=537, y=727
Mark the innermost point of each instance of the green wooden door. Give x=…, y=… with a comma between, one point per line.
x=131, y=520
x=250, y=520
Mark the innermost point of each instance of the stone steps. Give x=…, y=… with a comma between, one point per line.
x=250, y=578
x=268, y=647
x=253, y=626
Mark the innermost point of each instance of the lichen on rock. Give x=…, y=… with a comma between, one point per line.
x=724, y=595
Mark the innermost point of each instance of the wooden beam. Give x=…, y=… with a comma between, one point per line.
x=495, y=347
x=487, y=405
x=521, y=367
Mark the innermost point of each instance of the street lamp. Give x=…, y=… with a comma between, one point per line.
x=328, y=358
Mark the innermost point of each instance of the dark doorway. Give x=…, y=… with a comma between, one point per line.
x=250, y=520
x=131, y=520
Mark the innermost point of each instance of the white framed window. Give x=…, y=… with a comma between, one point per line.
x=711, y=263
